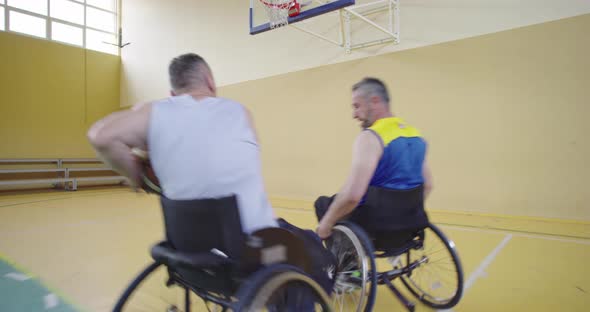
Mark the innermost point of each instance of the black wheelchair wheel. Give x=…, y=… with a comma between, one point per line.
x=149, y=292
x=355, y=274
x=123, y=300
x=281, y=288
x=437, y=276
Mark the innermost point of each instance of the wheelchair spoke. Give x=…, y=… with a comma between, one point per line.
x=434, y=281
x=352, y=279
x=356, y=299
x=436, y=276
x=340, y=300
x=445, y=268
x=443, y=265
x=429, y=270
x=441, y=262
x=436, y=251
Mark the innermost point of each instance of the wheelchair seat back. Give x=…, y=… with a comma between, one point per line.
x=206, y=248
x=206, y=236
x=395, y=243
x=394, y=218
x=201, y=225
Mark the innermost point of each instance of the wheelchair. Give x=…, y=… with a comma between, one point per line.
x=268, y=270
x=419, y=254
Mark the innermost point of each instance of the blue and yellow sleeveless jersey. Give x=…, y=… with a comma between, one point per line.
x=400, y=166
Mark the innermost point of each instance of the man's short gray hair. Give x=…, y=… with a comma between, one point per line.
x=372, y=87
x=187, y=71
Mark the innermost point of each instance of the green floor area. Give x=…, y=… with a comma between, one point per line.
x=21, y=292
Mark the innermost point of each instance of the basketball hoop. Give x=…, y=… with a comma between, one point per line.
x=279, y=11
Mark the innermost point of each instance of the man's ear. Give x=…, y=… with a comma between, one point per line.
x=211, y=84
x=374, y=99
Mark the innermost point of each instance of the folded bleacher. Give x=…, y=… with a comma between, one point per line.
x=66, y=173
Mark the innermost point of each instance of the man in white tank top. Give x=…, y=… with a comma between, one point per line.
x=200, y=146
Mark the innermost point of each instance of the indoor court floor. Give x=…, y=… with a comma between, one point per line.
x=77, y=251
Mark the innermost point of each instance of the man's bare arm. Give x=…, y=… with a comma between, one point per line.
x=366, y=155
x=114, y=136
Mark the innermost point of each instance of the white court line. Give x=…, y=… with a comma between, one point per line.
x=539, y=236
x=17, y=276
x=480, y=270
x=50, y=301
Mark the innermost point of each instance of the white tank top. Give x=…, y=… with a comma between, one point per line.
x=207, y=149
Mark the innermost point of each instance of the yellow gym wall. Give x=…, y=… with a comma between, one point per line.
x=50, y=94
x=504, y=114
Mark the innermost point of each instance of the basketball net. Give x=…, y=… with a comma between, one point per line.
x=279, y=11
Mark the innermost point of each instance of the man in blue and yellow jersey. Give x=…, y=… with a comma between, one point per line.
x=389, y=178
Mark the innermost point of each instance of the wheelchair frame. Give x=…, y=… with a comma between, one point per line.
x=251, y=294
x=404, y=272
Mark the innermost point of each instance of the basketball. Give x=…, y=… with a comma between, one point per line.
x=149, y=180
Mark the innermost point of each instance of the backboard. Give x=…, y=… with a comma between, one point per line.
x=259, y=21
